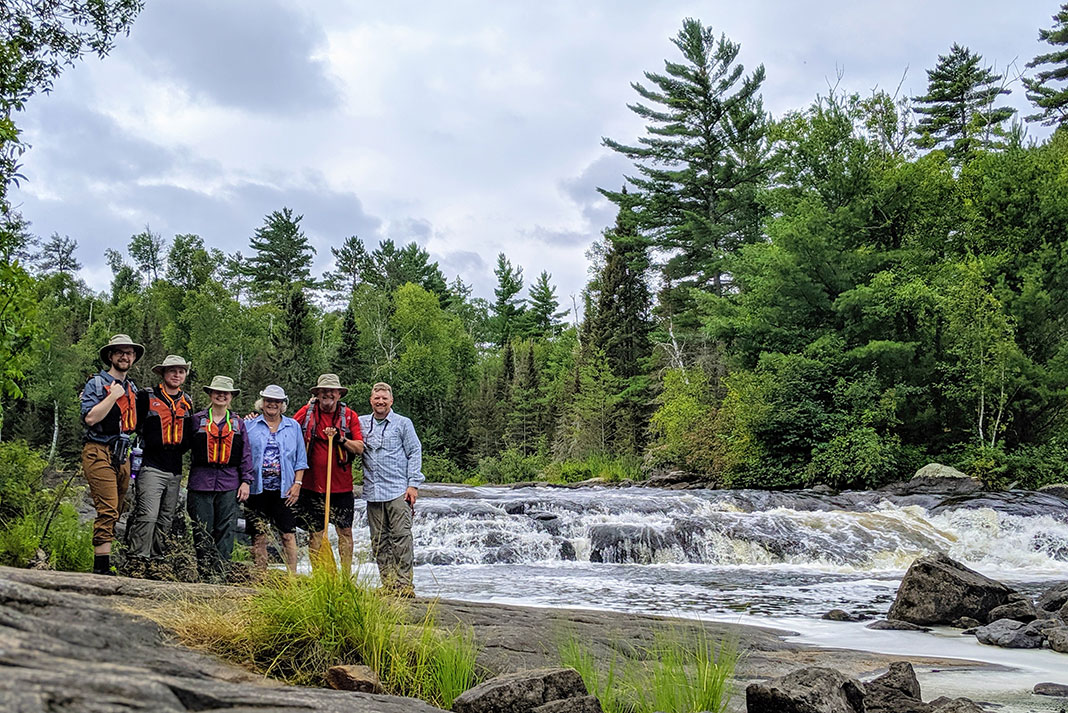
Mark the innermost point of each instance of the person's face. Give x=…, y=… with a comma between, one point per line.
x=328, y=399
x=221, y=399
x=174, y=376
x=381, y=403
x=272, y=408
x=122, y=358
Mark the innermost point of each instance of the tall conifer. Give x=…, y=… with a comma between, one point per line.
x=1051, y=99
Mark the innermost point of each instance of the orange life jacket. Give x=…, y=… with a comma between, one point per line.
x=220, y=439
x=171, y=412
x=127, y=409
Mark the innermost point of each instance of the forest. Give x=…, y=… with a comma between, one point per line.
x=836, y=296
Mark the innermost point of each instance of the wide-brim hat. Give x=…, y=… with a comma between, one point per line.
x=274, y=391
x=329, y=381
x=221, y=383
x=121, y=340
x=169, y=361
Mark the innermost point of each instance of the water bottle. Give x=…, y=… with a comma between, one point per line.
x=135, y=461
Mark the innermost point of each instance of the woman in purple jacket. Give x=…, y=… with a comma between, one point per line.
x=219, y=478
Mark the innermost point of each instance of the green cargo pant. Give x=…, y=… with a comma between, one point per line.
x=391, y=542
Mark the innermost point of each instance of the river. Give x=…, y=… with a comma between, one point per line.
x=756, y=557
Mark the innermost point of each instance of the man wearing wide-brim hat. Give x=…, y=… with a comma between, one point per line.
x=165, y=424
x=324, y=417
x=109, y=413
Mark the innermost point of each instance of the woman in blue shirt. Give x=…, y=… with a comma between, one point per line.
x=278, y=463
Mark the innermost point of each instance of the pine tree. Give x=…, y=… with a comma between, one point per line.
x=57, y=256
x=703, y=156
x=297, y=360
x=189, y=264
x=282, y=256
x=350, y=362
x=507, y=309
x=523, y=429
x=542, y=318
x=1052, y=101
x=958, y=111
x=351, y=263
x=391, y=267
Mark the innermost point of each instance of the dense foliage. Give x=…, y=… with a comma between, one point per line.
x=832, y=296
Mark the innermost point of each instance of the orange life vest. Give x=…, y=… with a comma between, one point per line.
x=171, y=412
x=220, y=439
x=127, y=409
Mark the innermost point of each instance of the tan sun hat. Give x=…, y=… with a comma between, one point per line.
x=121, y=340
x=222, y=383
x=169, y=361
x=329, y=381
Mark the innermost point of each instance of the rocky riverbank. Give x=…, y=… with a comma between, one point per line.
x=69, y=642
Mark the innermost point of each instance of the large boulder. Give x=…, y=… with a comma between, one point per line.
x=1051, y=689
x=1058, y=639
x=522, y=691
x=1052, y=600
x=939, y=590
x=1010, y=634
x=937, y=479
x=1019, y=609
x=627, y=544
x=896, y=691
x=807, y=690
x=1059, y=490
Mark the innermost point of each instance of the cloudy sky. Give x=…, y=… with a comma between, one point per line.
x=471, y=127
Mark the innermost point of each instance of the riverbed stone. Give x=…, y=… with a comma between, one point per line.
x=624, y=544
x=895, y=625
x=839, y=615
x=521, y=692
x=1058, y=639
x=944, y=704
x=582, y=704
x=1058, y=489
x=1019, y=609
x=896, y=691
x=1051, y=689
x=354, y=678
x=808, y=690
x=1009, y=634
x=939, y=590
x=937, y=479
x=1053, y=600
x=966, y=622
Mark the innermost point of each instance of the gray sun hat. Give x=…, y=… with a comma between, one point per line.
x=329, y=381
x=274, y=391
x=221, y=383
x=169, y=361
x=121, y=340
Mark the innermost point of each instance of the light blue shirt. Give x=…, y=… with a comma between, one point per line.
x=392, y=457
x=290, y=446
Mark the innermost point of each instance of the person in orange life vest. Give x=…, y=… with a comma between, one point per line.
x=165, y=423
x=110, y=416
x=324, y=416
x=220, y=474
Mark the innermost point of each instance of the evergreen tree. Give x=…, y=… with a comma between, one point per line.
x=146, y=249
x=351, y=264
x=958, y=111
x=1051, y=100
x=350, y=361
x=189, y=264
x=704, y=156
x=297, y=360
x=542, y=317
x=282, y=256
x=234, y=274
x=390, y=267
x=57, y=256
x=523, y=432
x=507, y=308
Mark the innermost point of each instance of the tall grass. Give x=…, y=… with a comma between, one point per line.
x=296, y=628
x=683, y=671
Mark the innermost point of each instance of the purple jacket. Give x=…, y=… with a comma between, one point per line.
x=213, y=477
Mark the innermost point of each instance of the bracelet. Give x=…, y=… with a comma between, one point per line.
x=298, y=482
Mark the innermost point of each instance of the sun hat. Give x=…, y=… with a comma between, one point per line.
x=121, y=340
x=274, y=391
x=221, y=383
x=169, y=361
x=329, y=381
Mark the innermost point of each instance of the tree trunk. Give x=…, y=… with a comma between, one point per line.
x=55, y=431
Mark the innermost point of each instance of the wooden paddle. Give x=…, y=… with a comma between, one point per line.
x=325, y=556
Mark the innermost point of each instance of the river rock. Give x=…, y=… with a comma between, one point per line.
x=1051, y=689
x=1059, y=490
x=895, y=625
x=548, y=521
x=896, y=691
x=1020, y=610
x=807, y=690
x=1053, y=600
x=939, y=590
x=1058, y=639
x=354, y=678
x=1010, y=634
x=942, y=704
x=521, y=692
x=840, y=615
x=582, y=704
x=966, y=622
x=624, y=544
x=937, y=479
x=567, y=549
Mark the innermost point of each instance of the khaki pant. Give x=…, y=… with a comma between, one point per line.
x=391, y=541
x=107, y=486
x=148, y=527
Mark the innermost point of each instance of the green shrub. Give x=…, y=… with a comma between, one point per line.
x=69, y=541
x=612, y=469
x=439, y=469
x=511, y=467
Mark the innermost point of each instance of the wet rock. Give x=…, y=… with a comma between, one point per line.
x=1051, y=689
x=839, y=615
x=895, y=625
x=966, y=622
x=937, y=479
x=522, y=691
x=354, y=678
x=567, y=550
x=939, y=590
x=942, y=704
x=505, y=554
x=622, y=544
x=1058, y=639
x=548, y=521
x=1059, y=490
x=1052, y=600
x=896, y=691
x=1042, y=627
x=1020, y=610
x=515, y=508
x=673, y=479
x=1009, y=634
x=807, y=690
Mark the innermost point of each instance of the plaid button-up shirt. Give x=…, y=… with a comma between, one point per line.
x=392, y=457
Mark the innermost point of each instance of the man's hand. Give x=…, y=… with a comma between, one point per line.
x=116, y=392
x=330, y=432
x=293, y=494
x=410, y=495
x=242, y=492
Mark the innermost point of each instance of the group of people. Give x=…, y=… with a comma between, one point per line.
x=277, y=466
